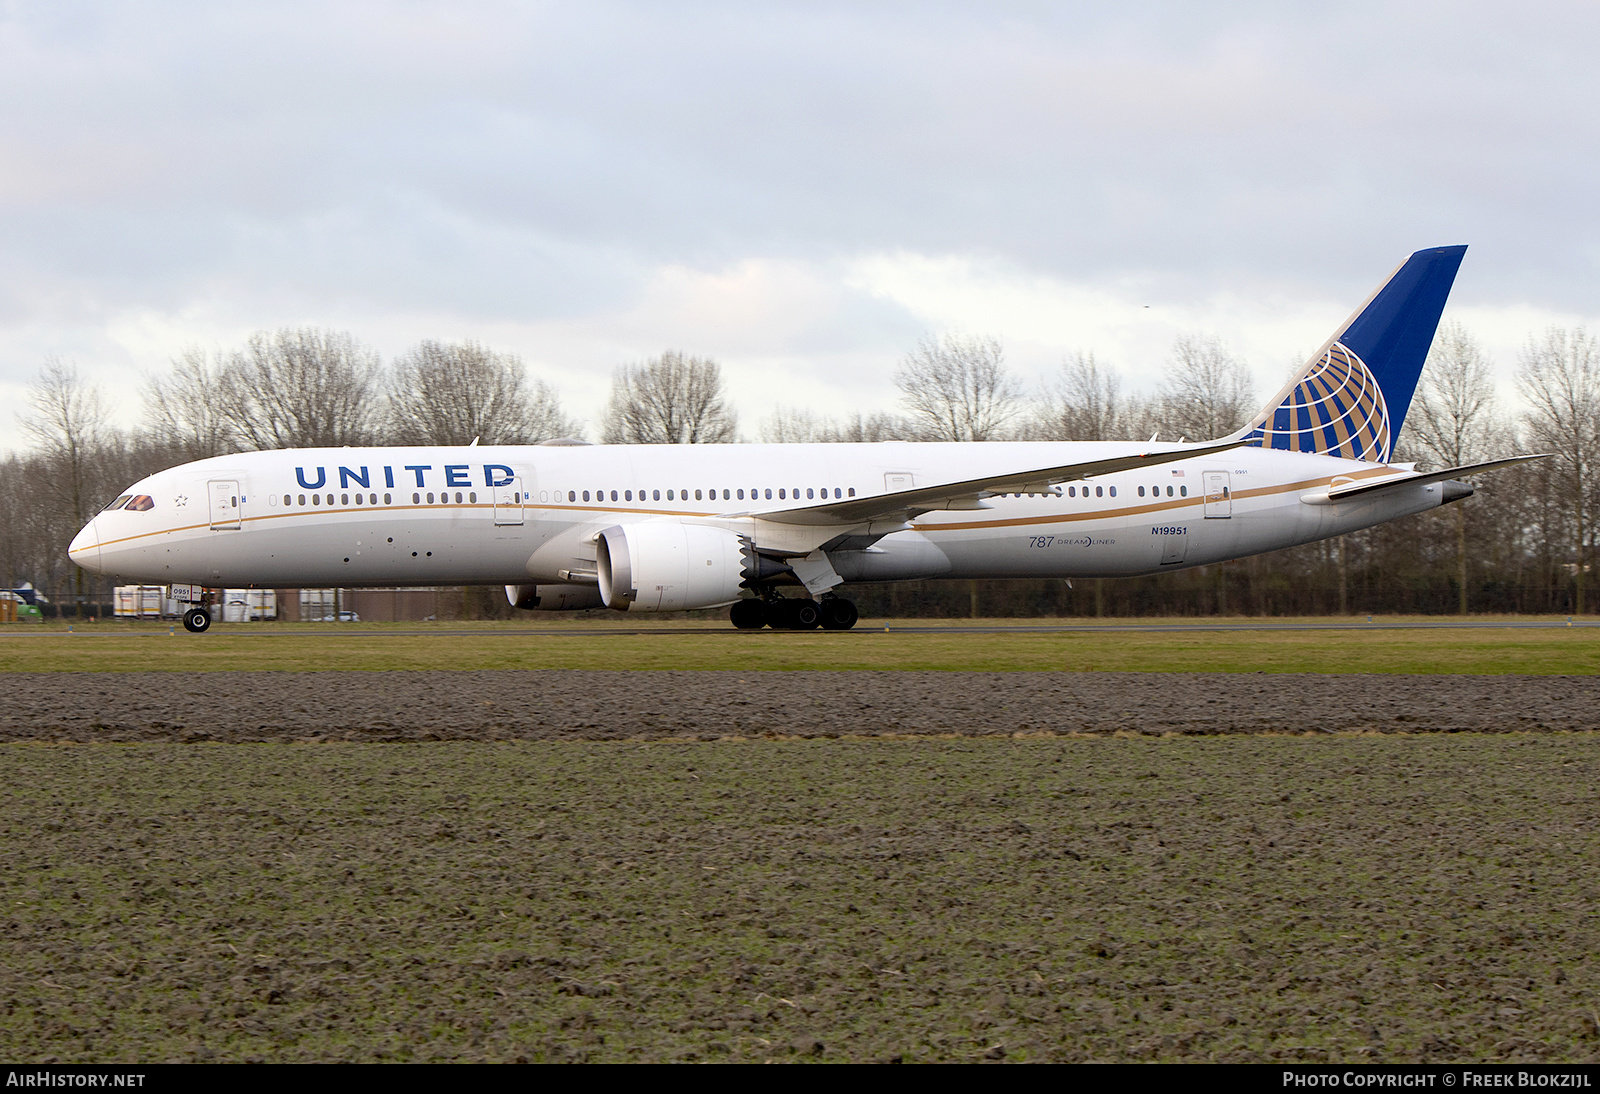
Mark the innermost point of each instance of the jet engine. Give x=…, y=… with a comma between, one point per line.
x=667, y=567
x=553, y=598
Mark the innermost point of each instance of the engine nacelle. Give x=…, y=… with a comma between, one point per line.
x=668, y=567
x=554, y=598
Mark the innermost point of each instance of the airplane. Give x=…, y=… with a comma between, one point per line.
x=778, y=530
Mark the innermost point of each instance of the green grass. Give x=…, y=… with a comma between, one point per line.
x=1175, y=647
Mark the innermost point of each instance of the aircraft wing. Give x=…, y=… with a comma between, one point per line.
x=967, y=494
x=1356, y=489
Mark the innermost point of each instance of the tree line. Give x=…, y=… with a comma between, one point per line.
x=1525, y=544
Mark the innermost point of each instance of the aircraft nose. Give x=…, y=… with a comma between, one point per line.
x=85, y=548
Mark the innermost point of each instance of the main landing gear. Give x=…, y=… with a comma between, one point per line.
x=831, y=613
x=196, y=620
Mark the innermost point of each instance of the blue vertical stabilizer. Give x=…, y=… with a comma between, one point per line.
x=1351, y=398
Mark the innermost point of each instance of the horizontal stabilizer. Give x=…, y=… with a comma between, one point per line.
x=1356, y=489
x=900, y=504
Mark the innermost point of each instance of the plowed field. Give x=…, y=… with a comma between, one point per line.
x=652, y=705
x=684, y=866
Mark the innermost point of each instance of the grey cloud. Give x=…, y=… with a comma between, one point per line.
x=528, y=161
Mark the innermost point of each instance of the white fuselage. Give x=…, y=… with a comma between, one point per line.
x=355, y=517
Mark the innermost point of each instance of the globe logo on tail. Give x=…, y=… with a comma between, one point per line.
x=1335, y=408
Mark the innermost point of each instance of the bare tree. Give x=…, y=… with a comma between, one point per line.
x=1453, y=422
x=958, y=389
x=1560, y=381
x=1206, y=393
x=673, y=399
x=454, y=394
x=302, y=389
x=870, y=428
x=1084, y=403
x=789, y=426
x=185, y=409
x=70, y=427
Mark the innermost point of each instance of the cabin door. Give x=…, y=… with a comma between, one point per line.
x=1219, y=499
x=508, y=502
x=224, y=497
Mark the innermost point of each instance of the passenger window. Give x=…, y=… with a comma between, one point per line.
x=669, y=496
x=613, y=495
x=769, y=493
x=852, y=491
x=1184, y=490
x=386, y=499
x=836, y=492
x=430, y=497
x=316, y=499
x=697, y=495
x=416, y=499
x=780, y=492
x=1113, y=491
x=586, y=495
x=288, y=501
x=740, y=494
x=655, y=495
x=344, y=499
x=1141, y=491
x=726, y=496
x=808, y=492
x=359, y=499
x=1099, y=491
x=627, y=495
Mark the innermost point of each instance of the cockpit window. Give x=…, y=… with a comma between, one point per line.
x=118, y=504
x=141, y=503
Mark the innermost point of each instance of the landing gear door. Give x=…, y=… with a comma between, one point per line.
x=1219, y=499
x=508, y=502
x=224, y=497
x=1174, y=545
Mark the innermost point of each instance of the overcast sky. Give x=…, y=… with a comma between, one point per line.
x=800, y=191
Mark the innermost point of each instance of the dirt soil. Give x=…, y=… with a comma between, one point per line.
x=609, y=706
x=554, y=866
